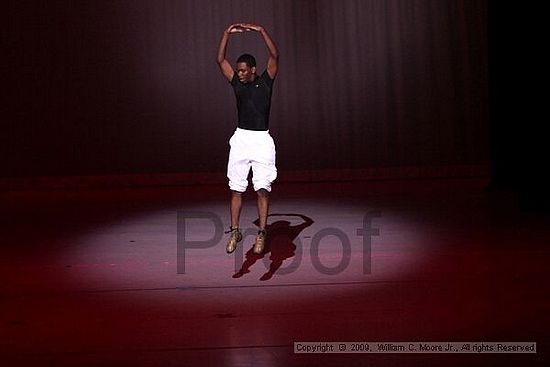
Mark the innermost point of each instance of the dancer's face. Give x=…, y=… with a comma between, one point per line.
x=245, y=73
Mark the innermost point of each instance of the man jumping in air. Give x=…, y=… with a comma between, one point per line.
x=251, y=146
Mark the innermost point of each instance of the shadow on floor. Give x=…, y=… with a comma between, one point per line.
x=279, y=244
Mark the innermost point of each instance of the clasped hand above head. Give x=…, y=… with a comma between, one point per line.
x=243, y=27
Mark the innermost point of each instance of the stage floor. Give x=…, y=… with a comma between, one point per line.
x=140, y=277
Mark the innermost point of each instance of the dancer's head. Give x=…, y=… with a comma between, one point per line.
x=246, y=68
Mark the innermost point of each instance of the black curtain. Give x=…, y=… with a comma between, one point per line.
x=103, y=87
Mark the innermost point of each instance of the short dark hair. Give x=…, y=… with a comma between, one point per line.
x=248, y=59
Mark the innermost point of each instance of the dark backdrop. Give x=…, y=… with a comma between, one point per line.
x=102, y=87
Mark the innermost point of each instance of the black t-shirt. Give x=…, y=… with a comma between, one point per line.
x=253, y=101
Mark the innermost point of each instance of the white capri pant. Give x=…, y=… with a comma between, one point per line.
x=251, y=149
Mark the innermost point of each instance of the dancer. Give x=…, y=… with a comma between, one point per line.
x=251, y=146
